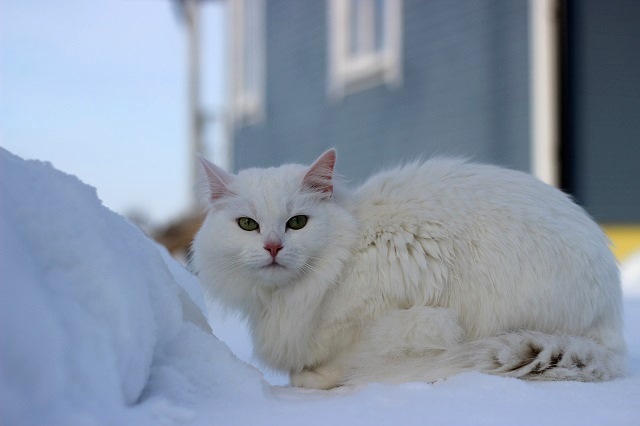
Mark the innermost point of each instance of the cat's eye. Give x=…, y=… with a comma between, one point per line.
x=297, y=222
x=247, y=224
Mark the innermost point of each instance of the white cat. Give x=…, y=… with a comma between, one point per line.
x=423, y=272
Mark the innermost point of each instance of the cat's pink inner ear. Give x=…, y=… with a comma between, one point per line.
x=319, y=178
x=217, y=180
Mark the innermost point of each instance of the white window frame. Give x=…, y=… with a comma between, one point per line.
x=351, y=71
x=247, y=100
x=544, y=88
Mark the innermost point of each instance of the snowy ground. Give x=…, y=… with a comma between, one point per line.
x=95, y=328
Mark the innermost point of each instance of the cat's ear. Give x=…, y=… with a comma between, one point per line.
x=217, y=180
x=319, y=178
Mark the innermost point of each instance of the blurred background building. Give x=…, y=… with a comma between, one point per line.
x=550, y=87
x=98, y=88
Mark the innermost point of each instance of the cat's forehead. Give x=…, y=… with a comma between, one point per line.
x=272, y=188
x=284, y=177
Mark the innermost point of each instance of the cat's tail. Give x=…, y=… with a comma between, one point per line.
x=534, y=355
x=529, y=355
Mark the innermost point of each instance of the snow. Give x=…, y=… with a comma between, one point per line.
x=630, y=274
x=98, y=325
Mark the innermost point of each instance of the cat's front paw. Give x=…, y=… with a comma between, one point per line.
x=323, y=378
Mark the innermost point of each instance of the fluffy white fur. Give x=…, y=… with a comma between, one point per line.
x=423, y=272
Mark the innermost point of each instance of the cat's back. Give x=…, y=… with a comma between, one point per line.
x=452, y=232
x=454, y=193
x=464, y=235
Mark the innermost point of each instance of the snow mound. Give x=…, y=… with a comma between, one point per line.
x=98, y=325
x=91, y=318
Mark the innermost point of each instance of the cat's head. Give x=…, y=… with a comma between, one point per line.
x=271, y=226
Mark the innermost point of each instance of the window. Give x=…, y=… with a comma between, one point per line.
x=365, y=46
x=248, y=60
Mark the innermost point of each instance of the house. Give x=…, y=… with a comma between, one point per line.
x=546, y=86
x=383, y=81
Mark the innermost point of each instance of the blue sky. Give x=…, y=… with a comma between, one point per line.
x=98, y=88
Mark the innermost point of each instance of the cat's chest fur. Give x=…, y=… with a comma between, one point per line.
x=393, y=262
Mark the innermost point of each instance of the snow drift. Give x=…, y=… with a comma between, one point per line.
x=99, y=326
x=93, y=324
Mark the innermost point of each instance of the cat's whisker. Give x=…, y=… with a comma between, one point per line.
x=229, y=265
x=308, y=269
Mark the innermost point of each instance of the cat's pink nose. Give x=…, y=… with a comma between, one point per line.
x=273, y=247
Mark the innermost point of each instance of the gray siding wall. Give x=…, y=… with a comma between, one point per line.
x=604, y=118
x=464, y=90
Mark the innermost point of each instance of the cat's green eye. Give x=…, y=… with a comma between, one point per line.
x=297, y=222
x=247, y=224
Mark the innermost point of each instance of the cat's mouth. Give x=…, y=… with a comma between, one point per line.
x=274, y=265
